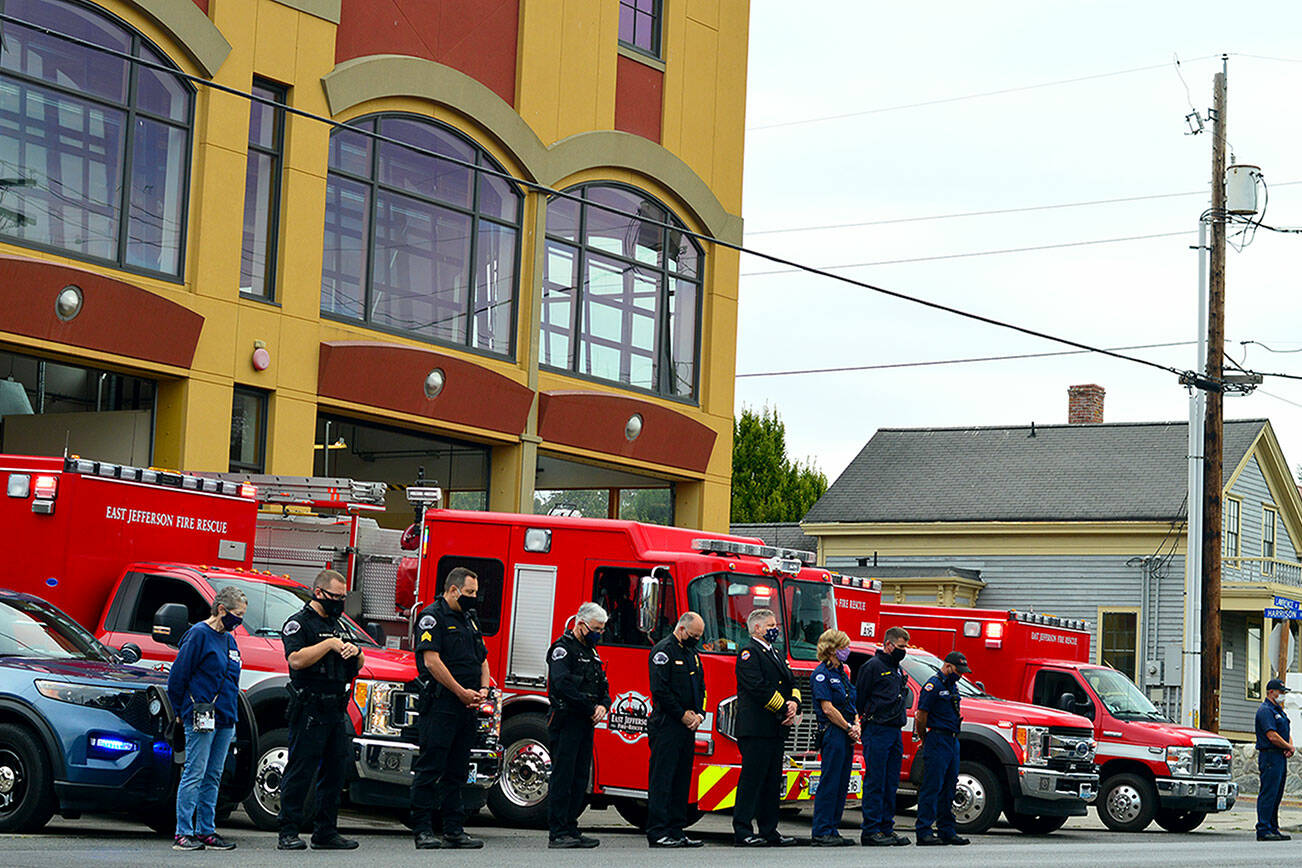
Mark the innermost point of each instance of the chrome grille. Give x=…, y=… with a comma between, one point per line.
x=1071, y=749
x=1215, y=760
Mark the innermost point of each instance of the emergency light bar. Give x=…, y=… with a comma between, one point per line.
x=1049, y=620
x=857, y=582
x=109, y=470
x=754, y=550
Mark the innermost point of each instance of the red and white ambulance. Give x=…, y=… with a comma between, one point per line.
x=1150, y=768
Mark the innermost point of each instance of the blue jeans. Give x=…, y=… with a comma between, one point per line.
x=1272, y=765
x=939, y=776
x=833, y=781
x=883, y=753
x=196, y=796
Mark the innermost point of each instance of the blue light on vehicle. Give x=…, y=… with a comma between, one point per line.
x=162, y=749
x=109, y=746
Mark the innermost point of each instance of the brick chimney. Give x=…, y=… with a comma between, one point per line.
x=1085, y=405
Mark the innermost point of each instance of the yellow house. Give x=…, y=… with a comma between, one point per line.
x=372, y=238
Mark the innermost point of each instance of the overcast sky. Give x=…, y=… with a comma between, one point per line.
x=1112, y=136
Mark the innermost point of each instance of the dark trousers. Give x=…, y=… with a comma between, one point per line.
x=759, y=788
x=939, y=776
x=447, y=731
x=833, y=781
x=1272, y=765
x=320, y=738
x=883, y=754
x=669, y=778
x=571, y=747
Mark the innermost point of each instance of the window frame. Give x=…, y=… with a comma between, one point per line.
x=1137, y=612
x=1237, y=532
x=129, y=112
x=657, y=50
x=1255, y=655
x=264, y=399
x=271, y=270
x=1269, y=522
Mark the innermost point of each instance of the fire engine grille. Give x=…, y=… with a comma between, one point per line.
x=1216, y=760
x=801, y=738
x=1071, y=749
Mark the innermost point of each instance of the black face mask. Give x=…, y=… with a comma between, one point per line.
x=897, y=656
x=689, y=642
x=468, y=603
x=333, y=608
x=952, y=678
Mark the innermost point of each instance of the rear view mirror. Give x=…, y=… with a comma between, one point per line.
x=648, y=611
x=170, y=623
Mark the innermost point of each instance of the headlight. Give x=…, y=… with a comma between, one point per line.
x=1180, y=760
x=1032, y=740
x=110, y=698
x=374, y=699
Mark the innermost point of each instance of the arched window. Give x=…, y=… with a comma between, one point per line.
x=621, y=296
x=418, y=244
x=94, y=149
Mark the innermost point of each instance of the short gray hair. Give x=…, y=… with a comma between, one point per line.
x=756, y=616
x=590, y=612
x=688, y=619
x=231, y=597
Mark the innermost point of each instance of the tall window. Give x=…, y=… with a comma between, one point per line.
x=262, y=192
x=94, y=148
x=1119, y=641
x=1254, y=654
x=621, y=295
x=417, y=243
x=640, y=24
x=1230, y=536
x=1269, y=518
x=248, y=431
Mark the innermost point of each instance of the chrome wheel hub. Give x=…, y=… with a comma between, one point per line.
x=525, y=769
x=970, y=799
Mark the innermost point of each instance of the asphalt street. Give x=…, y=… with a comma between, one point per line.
x=1226, y=839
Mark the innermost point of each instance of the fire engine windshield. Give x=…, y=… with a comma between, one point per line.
x=271, y=605
x=809, y=610
x=725, y=600
x=1120, y=696
x=29, y=628
x=921, y=666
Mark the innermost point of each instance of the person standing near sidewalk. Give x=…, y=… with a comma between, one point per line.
x=1274, y=747
x=882, y=688
x=677, y=710
x=937, y=726
x=838, y=731
x=204, y=686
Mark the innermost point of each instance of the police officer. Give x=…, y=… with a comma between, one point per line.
x=322, y=662
x=580, y=698
x=838, y=730
x=452, y=663
x=937, y=727
x=1274, y=747
x=883, y=707
x=677, y=709
x=767, y=704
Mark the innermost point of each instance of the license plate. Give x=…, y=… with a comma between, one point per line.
x=1222, y=789
x=1220, y=803
x=474, y=771
x=1087, y=791
x=856, y=785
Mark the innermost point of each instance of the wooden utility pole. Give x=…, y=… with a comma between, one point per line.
x=1213, y=431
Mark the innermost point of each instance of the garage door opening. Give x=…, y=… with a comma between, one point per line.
x=592, y=491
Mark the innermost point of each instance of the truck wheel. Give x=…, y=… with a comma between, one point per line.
x=634, y=812
x=1179, y=821
x=519, y=798
x=977, y=798
x=905, y=803
x=26, y=785
x=1127, y=803
x=1029, y=824
x=263, y=804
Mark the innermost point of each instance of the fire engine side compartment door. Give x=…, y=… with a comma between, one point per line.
x=534, y=591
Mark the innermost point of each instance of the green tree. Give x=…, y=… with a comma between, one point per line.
x=767, y=486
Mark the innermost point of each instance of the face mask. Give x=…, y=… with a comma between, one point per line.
x=230, y=622
x=594, y=637
x=952, y=678
x=897, y=655
x=689, y=642
x=843, y=654
x=771, y=635
x=467, y=603
x=333, y=608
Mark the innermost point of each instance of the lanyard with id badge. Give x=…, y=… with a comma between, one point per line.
x=204, y=716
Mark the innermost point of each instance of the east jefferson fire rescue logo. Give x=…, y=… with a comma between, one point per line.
x=628, y=716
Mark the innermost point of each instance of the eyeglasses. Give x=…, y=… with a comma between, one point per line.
x=329, y=595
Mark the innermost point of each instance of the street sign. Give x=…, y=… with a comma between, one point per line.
x=1276, y=612
x=1286, y=603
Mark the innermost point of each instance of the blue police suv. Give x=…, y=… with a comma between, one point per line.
x=80, y=730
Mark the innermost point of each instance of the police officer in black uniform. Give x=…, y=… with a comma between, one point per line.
x=882, y=689
x=767, y=704
x=452, y=663
x=677, y=709
x=323, y=661
x=580, y=698
x=937, y=724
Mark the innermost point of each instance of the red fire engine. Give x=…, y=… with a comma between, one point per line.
x=1036, y=765
x=534, y=572
x=1150, y=768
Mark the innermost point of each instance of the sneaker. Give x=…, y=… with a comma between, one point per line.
x=955, y=840
x=878, y=840
x=216, y=842
x=186, y=842
x=929, y=841
x=461, y=841
x=428, y=841
x=588, y=843
x=334, y=842
x=899, y=840
x=564, y=842
x=831, y=841
x=288, y=841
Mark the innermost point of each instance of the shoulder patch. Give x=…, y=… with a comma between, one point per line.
x=291, y=627
x=660, y=658
x=559, y=652
x=930, y=685
x=427, y=622
x=820, y=677
x=745, y=655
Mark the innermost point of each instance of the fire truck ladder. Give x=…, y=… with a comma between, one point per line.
x=316, y=492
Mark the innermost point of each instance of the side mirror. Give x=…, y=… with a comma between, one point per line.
x=979, y=685
x=648, y=612
x=170, y=623
x=130, y=653
x=375, y=631
x=1067, y=702
x=908, y=697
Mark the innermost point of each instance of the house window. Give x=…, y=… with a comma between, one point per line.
x=94, y=148
x=1230, y=536
x=621, y=296
x=1254, y=655
x=640, y=24
x=1268, y=522
x=419, y=240
x=262, y=192
x=248, y=431
x=1119, y=640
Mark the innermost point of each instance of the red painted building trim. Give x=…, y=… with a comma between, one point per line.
x=116, y=317
x=596, y=421
x=202, y=4
x=639, y=98
x=392, y=377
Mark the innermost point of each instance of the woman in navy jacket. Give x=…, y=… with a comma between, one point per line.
x=204, y=687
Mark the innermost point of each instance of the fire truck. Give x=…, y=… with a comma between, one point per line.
x=1150, y=768
x=1033, y=764
x=136, y=555
x=535, y=571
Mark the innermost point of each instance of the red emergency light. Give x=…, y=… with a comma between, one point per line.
x=994, y=635
x=46, y=487
x=248, y=489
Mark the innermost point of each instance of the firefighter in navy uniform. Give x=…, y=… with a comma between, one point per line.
x=580, y=699
x=937, y=725
x=452, y=663
x=323, y=661
x=883, y=705
x=768, y=703
x=678, y=708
